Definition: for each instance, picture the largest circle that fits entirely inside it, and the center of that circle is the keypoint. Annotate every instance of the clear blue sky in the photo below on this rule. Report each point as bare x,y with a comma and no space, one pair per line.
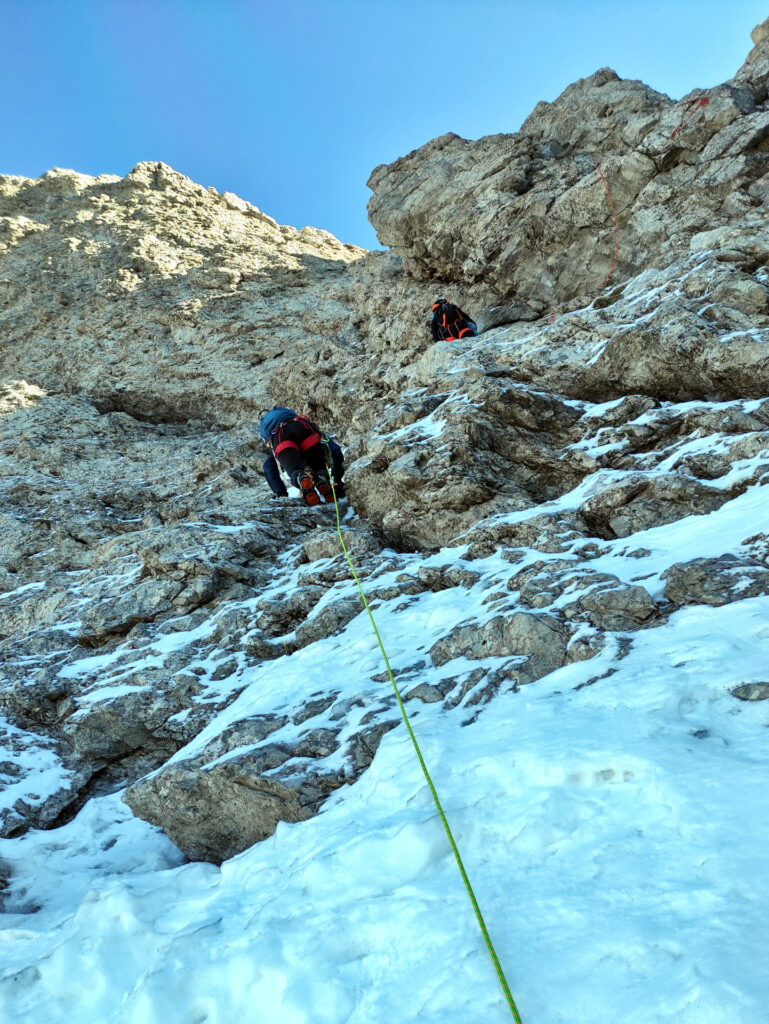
292,103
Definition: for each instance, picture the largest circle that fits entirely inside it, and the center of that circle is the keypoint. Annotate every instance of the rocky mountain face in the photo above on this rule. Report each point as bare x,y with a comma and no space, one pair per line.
527,216
153,594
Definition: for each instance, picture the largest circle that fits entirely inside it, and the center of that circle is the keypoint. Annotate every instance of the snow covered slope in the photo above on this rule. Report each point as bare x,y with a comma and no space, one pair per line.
612,816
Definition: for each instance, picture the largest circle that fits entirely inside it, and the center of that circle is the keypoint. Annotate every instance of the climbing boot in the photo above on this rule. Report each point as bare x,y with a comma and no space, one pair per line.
339,490
306,486
323,487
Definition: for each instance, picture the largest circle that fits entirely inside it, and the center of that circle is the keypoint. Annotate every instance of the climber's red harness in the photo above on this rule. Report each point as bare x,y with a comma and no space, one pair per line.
279,444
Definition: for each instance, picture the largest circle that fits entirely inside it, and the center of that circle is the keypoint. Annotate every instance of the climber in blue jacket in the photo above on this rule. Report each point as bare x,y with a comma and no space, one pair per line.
297,447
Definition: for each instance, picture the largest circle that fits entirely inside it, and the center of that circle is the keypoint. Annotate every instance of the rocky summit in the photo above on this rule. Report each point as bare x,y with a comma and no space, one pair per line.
542,496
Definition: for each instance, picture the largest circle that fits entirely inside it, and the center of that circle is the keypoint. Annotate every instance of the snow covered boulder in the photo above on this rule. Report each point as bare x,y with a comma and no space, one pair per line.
636,503
253,774
538,643
715,581
584,595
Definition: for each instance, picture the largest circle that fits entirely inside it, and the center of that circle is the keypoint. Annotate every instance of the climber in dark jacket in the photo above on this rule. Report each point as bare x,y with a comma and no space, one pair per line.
275,480
296,445
449,323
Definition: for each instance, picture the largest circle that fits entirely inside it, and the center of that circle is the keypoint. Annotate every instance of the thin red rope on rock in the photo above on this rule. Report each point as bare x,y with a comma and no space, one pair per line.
616,228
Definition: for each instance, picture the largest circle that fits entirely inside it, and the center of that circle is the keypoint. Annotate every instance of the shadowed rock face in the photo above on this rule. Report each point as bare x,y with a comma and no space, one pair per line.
153,596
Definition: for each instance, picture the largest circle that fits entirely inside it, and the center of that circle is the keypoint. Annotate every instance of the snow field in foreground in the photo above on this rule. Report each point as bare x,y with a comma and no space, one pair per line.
615,836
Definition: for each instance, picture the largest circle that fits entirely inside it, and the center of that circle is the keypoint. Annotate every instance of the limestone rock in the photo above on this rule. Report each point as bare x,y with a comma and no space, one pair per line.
539,639
752,691
496,316
547,532
638,503
330,619
528,212
715,581
157,249
621,607
215,814
325,544
244,782
438,578
600,598
149,599
425,692
282,614
494,445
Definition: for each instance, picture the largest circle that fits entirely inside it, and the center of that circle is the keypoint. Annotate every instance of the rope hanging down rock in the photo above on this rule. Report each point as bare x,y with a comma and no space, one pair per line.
452,843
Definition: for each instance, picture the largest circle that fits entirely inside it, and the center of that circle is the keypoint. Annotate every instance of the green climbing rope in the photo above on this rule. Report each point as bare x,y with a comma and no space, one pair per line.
441,813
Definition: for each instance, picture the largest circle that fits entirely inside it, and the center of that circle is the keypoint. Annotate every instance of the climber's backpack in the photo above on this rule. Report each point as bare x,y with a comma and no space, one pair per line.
451,322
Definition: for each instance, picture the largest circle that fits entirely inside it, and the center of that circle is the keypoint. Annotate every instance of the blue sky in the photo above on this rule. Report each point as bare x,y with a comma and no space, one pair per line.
292,103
